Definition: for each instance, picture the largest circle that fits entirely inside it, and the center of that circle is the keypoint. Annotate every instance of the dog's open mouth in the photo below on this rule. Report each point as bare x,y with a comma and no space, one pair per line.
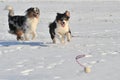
35,15
63,24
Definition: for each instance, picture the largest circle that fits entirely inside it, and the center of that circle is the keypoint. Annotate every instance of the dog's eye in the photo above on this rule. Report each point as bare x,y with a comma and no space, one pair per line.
61,19
66,19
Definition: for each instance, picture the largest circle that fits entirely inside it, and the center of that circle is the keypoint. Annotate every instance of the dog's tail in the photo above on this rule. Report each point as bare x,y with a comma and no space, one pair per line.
10,9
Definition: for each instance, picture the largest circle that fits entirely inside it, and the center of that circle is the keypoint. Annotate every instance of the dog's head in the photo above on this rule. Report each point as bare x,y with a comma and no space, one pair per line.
33,12
63,18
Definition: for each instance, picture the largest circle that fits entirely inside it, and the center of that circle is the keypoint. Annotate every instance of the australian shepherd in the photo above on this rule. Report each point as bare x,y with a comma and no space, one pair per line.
60,27
23,26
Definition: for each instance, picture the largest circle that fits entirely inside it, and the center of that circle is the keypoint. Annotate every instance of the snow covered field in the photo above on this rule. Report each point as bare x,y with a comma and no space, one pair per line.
96,30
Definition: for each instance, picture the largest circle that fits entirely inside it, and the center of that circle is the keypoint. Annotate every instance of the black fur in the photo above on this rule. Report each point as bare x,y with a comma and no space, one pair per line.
16,22
52,27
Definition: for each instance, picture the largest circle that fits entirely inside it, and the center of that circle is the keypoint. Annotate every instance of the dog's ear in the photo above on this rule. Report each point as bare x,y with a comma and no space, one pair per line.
67,13
58,16
28,10
58,13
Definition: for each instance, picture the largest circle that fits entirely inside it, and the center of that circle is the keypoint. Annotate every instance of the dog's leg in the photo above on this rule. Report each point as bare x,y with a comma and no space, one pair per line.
33,35
54,40
19,34
61,38
18,38
52,34
68,34
26,36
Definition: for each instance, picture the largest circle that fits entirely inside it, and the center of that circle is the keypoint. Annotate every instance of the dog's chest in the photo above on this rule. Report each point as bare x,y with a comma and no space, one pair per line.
62,30
32,23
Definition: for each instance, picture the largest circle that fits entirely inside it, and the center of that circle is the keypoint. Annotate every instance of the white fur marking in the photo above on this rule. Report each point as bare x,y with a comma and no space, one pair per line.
62,31
31,28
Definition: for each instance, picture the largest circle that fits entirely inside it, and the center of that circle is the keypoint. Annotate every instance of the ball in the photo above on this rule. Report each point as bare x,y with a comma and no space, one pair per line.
87,69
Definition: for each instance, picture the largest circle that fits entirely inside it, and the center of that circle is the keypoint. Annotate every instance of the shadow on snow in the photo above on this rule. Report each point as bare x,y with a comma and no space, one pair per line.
12,43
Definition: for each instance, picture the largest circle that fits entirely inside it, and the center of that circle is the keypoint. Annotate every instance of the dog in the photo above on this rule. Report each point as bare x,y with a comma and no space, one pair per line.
23,26
59,28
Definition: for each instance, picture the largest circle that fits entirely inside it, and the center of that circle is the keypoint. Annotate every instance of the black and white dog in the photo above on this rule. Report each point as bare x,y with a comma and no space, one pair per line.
23,26
60,27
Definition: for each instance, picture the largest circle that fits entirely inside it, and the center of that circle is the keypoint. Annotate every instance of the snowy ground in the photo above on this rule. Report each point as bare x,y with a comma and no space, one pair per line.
96,31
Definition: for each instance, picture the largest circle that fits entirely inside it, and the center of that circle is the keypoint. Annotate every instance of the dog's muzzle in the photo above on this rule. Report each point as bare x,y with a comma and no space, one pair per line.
62,23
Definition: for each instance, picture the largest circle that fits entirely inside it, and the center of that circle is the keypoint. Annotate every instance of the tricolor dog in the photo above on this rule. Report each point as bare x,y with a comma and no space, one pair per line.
23,26
60,27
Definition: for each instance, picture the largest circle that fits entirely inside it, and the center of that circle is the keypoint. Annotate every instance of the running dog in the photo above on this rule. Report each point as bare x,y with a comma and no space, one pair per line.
23,26
60,27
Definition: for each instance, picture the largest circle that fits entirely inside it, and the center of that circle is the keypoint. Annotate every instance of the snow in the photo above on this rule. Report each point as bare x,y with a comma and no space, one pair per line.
96,33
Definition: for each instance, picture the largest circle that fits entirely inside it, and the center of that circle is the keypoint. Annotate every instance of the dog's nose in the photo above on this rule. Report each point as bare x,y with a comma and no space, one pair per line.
37,13
63,22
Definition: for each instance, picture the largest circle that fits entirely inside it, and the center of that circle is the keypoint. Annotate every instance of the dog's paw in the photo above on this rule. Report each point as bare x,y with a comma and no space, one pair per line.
68,40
